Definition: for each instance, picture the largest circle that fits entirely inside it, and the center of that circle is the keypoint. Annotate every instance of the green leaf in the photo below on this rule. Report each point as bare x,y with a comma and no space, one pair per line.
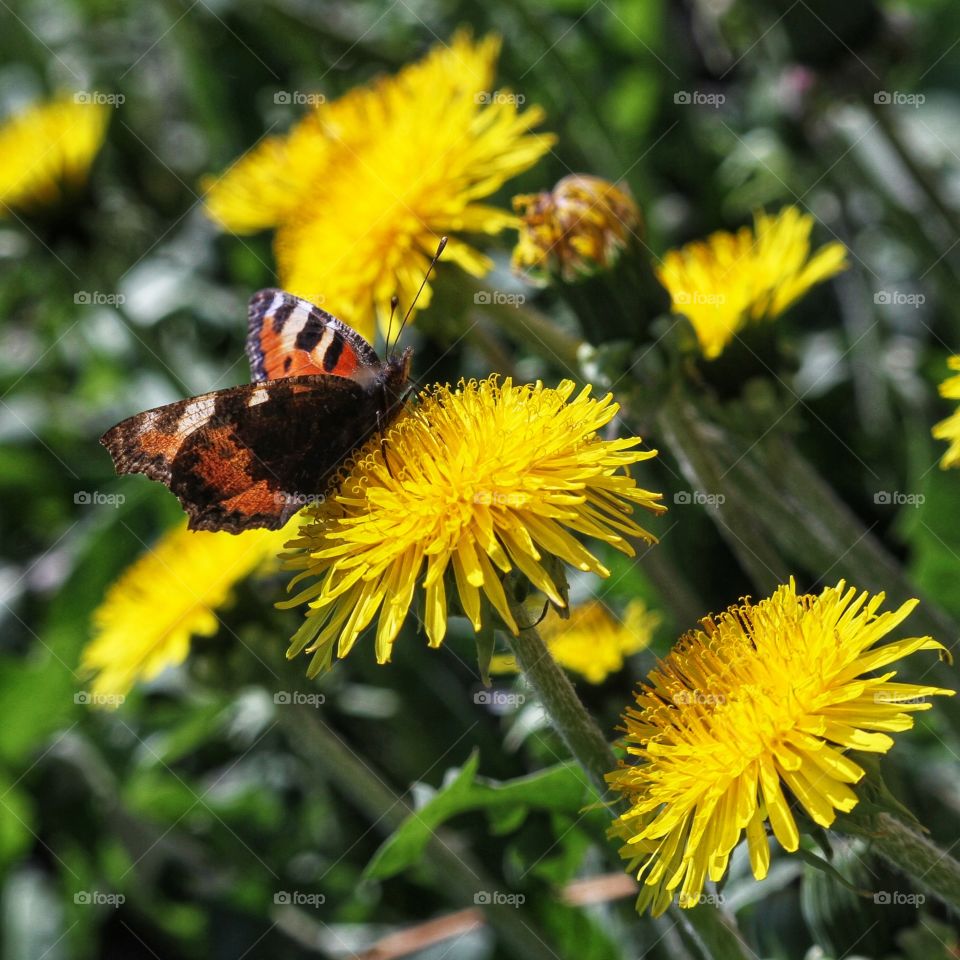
562,788
809,857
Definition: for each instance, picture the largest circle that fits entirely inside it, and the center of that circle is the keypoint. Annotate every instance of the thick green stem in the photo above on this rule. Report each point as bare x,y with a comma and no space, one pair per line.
564,708
797,512
538,332
462,879
908,851
712,935
688,438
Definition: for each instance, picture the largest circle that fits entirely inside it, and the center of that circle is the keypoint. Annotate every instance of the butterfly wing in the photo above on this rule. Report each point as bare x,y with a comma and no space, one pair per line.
249,456
290,337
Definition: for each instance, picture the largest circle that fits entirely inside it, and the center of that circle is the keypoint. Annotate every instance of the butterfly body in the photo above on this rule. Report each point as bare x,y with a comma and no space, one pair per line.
252,456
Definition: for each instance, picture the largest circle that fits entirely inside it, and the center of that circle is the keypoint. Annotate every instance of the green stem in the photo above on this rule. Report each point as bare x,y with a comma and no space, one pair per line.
538,332
462,878
565,709
908,851
704,928
924,178
713,934
689,440
802,519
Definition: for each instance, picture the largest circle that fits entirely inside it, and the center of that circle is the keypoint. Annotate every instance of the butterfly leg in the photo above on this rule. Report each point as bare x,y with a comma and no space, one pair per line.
383,444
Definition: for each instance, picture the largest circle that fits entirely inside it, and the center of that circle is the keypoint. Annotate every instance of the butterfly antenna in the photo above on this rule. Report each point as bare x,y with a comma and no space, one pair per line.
440,247
394,303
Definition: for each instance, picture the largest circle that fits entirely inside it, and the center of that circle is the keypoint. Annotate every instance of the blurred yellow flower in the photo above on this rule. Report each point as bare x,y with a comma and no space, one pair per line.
949,429
168,595
575,229
592,642
362,189
478,481
46,151
729,280
766,695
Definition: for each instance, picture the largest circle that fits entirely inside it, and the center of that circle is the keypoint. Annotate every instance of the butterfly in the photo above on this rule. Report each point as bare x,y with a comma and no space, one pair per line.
252,456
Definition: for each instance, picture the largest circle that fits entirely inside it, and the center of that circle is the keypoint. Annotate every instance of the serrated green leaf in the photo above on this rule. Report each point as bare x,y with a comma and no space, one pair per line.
562,788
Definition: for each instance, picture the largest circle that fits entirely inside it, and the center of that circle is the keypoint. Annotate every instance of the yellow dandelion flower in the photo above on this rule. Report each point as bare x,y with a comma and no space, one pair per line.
361,190
592,642
170,594
729,280
765,696
575,229
478,481
949,429
47,151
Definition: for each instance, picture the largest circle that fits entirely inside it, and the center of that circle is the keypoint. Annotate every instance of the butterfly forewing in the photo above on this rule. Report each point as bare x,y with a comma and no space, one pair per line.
288,337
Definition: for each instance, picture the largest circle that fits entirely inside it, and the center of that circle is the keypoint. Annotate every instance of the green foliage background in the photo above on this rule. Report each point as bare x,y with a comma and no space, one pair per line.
203,802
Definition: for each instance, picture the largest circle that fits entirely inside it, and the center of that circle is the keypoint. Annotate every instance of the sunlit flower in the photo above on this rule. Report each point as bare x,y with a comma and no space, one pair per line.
481,480
362,189
168,595
592,642
765,696
575,229
729,280
949,429
46,151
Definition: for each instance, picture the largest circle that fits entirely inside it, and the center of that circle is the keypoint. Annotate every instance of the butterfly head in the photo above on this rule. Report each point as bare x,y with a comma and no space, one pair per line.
396,372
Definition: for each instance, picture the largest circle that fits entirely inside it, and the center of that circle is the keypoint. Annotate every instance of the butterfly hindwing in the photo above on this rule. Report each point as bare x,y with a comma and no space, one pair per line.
289,337
248,456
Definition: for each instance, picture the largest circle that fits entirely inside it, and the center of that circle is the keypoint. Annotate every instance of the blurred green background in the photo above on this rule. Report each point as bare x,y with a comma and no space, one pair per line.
232,827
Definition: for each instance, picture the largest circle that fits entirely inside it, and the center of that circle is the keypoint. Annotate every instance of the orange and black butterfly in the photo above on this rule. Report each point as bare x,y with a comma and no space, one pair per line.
251,456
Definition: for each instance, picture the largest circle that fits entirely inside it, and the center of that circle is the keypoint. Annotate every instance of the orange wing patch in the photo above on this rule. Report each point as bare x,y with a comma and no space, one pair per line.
224,464
258,499
290,337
